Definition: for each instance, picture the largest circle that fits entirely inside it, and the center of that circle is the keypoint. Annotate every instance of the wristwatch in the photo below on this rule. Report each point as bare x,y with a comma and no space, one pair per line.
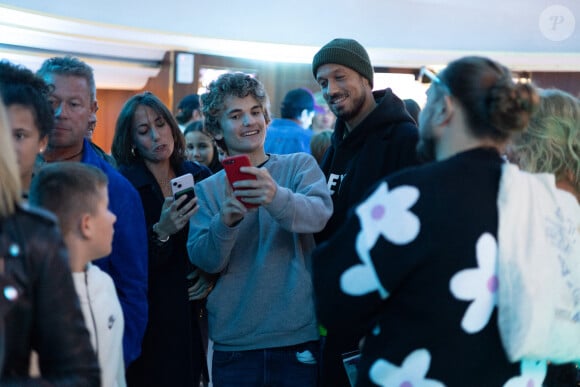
162,240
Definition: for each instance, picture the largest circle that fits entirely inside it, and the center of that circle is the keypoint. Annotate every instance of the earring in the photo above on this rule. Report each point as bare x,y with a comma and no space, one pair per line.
133,152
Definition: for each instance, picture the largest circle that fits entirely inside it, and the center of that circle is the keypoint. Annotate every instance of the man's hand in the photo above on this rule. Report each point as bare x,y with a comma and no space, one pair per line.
202,285
260,191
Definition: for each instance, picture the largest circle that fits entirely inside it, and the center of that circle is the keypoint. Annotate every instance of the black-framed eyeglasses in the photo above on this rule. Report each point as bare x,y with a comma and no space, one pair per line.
425,72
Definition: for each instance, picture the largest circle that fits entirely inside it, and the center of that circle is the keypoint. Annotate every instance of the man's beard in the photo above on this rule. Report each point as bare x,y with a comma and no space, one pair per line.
348,112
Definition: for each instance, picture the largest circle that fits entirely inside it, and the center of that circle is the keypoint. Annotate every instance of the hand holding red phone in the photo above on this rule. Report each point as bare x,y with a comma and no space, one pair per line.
256,192
253,186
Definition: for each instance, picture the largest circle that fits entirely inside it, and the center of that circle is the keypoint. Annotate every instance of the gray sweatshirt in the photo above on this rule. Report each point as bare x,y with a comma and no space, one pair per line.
263,297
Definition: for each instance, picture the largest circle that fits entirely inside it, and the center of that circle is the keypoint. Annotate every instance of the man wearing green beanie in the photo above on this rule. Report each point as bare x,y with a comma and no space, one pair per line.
374,136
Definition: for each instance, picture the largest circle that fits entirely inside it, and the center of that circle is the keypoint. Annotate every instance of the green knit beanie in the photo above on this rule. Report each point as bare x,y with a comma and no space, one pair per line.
346,52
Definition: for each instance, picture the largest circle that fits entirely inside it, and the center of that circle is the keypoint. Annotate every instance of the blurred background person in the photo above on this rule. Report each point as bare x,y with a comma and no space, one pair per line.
201,147
324,118
551,143
413,108
319,143
39,309
98,150
291,134
29,115
188,111
150,151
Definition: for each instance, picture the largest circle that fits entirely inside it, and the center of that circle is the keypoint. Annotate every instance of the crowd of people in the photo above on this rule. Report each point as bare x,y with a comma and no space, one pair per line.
361,248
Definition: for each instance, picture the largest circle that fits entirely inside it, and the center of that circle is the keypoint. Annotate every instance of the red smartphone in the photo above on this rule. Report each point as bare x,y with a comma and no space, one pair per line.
232,166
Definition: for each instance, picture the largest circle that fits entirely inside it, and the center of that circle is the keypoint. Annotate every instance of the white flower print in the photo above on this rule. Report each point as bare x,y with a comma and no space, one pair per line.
411,373
387,213
479,285
383,213
533,373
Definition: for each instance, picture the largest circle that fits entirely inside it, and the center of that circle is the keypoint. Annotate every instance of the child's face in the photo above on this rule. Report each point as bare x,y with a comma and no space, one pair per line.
103,221
243,125
199,147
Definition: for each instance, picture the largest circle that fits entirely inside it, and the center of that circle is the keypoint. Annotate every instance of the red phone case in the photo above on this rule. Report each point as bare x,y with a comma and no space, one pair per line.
232,166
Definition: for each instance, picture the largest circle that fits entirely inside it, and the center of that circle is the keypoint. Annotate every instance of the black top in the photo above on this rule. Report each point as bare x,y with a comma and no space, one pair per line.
46,315
414,268
382,143
169,355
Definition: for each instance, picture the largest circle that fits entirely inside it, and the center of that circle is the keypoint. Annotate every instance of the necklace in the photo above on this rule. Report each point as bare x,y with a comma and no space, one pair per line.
66,158
267,159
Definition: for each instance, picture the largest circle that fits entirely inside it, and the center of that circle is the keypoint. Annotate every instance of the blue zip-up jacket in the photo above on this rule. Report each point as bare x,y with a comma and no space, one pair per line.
127,264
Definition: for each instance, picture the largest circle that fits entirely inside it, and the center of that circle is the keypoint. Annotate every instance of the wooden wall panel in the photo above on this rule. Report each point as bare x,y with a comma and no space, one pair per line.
110,105
277,78
162,84
111,102
569,82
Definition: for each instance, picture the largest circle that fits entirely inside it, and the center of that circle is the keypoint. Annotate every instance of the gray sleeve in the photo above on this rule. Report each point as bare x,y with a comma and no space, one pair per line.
305,206
210,241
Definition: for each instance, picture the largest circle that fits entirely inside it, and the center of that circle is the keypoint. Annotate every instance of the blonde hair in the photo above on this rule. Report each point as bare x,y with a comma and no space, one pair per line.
10,188
552,141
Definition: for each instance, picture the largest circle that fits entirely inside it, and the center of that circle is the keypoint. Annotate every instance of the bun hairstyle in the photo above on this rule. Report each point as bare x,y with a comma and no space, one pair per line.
496,107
